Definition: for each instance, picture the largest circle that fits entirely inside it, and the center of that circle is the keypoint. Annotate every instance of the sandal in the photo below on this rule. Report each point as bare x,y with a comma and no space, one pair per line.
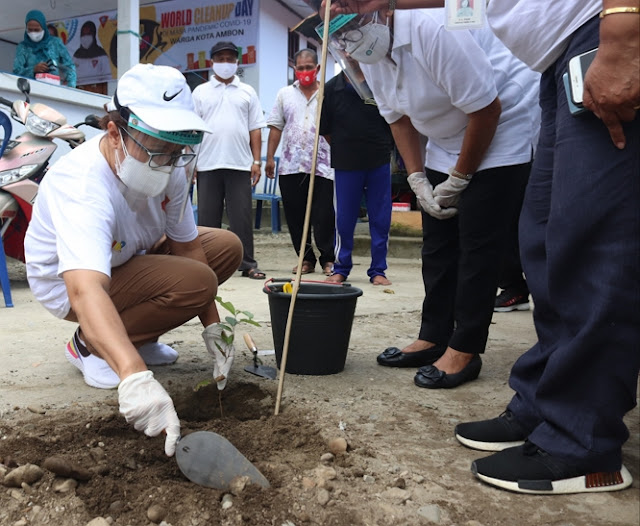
328,269
307,268
253,273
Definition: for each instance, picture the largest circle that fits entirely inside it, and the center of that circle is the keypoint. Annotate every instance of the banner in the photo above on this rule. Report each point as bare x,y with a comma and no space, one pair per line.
178,33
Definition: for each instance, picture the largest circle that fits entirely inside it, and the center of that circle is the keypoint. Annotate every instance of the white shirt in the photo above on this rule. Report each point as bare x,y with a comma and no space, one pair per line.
537,31
231,111
295,116
92,70
82,221
440,76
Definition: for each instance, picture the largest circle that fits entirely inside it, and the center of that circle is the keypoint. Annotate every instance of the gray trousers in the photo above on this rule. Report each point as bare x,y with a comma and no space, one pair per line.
233,188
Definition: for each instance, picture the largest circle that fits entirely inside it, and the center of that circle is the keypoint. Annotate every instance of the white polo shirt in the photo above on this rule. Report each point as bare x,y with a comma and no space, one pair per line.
440,76
537,31
231,111
82,221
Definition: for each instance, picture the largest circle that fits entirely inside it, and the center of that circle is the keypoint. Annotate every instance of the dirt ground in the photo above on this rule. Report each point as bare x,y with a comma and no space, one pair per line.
403,465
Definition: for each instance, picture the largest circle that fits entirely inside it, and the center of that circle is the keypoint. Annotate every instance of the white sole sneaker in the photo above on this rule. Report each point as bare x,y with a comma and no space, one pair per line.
96,372
156,353
487,446
511,308
591,483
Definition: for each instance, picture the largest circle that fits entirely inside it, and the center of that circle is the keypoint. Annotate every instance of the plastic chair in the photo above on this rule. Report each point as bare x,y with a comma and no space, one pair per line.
269,194
5,123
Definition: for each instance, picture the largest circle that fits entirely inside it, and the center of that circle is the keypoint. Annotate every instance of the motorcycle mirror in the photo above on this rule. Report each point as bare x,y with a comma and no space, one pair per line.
93,121
24,87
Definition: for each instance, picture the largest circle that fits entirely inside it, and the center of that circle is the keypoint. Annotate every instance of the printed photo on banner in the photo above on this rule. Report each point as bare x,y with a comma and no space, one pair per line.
464,14
178,33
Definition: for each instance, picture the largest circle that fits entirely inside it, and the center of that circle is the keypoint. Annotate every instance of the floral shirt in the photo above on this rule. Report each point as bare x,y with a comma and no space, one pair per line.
295,116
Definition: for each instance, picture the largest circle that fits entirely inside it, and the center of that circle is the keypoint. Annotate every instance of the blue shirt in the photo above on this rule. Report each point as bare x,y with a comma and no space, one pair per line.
54,50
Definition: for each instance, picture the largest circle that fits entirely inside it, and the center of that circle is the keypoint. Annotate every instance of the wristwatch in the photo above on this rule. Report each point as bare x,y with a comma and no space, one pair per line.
257,163
455,173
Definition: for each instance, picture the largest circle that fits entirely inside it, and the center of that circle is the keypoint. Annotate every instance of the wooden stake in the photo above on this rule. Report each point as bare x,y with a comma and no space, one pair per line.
307,216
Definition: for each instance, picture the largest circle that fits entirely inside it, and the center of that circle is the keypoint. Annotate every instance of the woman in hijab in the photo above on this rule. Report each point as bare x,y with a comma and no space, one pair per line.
92,62
39,52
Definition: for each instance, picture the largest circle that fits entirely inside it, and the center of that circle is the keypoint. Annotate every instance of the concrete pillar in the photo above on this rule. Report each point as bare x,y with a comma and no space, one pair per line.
128,29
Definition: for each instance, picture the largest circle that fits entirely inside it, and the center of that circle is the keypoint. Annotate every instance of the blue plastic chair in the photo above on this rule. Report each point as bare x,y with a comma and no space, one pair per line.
268,193
5,124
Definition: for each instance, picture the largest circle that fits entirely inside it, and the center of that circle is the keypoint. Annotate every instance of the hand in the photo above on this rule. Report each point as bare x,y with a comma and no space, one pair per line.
447,193
145,404
222,352
41,67
270,168
256,172
347,7
612,82
424,192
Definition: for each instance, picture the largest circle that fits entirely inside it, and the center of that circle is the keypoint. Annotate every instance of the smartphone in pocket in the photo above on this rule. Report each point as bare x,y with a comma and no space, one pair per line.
578,66
573,108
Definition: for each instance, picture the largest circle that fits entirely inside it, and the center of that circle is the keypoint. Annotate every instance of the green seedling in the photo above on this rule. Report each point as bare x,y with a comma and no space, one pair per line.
229,325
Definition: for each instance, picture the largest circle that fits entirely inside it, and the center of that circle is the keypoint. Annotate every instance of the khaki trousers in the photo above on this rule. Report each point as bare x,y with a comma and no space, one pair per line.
157,292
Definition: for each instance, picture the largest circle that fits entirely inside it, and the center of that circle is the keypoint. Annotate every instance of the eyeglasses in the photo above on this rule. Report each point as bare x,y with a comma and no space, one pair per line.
160,159
350,37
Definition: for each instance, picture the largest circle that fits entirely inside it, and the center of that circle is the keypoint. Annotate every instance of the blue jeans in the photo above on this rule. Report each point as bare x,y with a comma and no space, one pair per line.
580,248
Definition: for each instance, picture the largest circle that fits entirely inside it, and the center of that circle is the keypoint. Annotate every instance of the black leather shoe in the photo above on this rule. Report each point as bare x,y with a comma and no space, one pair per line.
394,357
431,377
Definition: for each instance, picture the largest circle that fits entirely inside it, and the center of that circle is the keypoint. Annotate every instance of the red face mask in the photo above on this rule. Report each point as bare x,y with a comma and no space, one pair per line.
307,78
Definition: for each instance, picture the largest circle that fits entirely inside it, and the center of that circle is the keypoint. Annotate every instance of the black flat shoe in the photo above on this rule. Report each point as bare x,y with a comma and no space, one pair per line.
431,377
394,357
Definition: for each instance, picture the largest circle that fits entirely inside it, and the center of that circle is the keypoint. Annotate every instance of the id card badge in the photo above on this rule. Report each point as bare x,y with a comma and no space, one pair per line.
464,14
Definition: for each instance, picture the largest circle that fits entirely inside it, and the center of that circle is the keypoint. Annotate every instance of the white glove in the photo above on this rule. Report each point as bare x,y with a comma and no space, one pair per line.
424,192
222,352
447,193
145,404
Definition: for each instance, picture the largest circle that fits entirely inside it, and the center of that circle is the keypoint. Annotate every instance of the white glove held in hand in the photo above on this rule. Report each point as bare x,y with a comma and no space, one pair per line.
424,192
447,193
222,352
145,404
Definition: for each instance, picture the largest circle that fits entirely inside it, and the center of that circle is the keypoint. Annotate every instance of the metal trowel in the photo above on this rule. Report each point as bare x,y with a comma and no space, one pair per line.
210,460
256,368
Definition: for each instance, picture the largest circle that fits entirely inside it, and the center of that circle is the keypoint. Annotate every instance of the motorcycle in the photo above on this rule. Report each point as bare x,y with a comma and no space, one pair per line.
25,160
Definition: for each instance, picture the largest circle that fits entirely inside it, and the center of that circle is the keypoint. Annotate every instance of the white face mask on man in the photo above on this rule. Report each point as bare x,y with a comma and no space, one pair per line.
36,36
370,43
225,70
139,177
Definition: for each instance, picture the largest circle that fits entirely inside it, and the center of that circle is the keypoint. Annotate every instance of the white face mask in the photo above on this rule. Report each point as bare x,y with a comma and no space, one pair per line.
36,36
374,44
139,177
86,41
225,70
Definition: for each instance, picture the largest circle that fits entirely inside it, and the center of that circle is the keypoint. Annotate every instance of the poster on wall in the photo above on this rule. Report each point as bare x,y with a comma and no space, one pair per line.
178,33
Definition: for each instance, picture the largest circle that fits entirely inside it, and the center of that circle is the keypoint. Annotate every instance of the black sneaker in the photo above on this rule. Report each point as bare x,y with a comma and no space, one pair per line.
529,469
509,300
492,435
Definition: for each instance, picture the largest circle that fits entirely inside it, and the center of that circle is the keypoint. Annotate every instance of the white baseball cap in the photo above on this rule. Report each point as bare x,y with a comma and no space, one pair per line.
157,101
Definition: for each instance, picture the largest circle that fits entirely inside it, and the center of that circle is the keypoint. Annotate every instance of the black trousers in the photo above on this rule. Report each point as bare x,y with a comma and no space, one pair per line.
294,189
511,275
461,259
233,188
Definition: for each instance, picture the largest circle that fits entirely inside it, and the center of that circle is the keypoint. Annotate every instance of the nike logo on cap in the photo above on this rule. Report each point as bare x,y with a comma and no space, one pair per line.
168,98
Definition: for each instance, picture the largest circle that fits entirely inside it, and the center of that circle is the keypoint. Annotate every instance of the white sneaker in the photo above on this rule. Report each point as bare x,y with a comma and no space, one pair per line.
156,353
96,371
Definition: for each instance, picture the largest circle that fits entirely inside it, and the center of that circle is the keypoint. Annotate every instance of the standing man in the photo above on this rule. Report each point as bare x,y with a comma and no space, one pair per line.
361,144
294,116
229,160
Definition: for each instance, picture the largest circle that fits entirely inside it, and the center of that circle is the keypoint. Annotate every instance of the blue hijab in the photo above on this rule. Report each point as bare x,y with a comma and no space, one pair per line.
38,16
